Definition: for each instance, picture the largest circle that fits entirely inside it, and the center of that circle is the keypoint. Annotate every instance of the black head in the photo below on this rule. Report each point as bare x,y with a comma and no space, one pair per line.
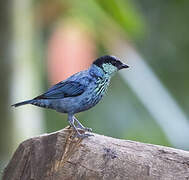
110,60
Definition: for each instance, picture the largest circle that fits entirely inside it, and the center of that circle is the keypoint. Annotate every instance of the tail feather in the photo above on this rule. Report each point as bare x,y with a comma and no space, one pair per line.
22,103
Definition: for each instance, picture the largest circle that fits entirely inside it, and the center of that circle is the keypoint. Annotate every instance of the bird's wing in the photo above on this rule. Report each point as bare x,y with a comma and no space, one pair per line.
63,90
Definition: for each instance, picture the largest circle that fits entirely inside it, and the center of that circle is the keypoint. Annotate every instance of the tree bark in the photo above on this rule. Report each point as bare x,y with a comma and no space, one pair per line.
58,156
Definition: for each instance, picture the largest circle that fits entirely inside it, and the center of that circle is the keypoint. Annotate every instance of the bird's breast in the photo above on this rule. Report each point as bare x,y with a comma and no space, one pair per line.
101,86
96,93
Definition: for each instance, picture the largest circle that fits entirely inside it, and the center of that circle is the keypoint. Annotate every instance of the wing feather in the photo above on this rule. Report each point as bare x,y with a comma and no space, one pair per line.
63,90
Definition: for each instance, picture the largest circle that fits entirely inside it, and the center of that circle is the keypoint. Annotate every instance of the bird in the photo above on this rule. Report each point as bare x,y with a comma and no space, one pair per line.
80,91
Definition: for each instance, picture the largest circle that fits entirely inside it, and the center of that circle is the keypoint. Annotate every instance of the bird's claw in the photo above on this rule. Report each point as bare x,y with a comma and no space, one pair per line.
79,129
88,129
82,136
84,129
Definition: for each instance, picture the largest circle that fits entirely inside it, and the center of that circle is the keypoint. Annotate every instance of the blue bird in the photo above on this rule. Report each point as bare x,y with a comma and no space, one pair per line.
80,91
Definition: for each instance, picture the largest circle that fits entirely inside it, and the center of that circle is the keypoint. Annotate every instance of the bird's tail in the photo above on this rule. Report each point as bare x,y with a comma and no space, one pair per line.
22,103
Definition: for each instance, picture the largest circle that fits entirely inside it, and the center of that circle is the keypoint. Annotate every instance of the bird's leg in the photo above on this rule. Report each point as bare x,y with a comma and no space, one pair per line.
78,134
80,126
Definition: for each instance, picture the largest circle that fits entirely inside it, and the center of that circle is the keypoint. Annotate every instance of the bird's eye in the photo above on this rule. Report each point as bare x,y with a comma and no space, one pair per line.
114,63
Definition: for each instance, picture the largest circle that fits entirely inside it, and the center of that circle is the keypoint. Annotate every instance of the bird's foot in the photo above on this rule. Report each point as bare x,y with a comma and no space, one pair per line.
84,129
82,136
81,127
88,129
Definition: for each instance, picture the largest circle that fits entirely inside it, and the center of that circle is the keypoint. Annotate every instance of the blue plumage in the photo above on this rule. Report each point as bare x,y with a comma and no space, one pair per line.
63,90
79,92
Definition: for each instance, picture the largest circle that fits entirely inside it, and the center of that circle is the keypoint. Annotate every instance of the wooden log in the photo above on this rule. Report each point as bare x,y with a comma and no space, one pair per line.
59,156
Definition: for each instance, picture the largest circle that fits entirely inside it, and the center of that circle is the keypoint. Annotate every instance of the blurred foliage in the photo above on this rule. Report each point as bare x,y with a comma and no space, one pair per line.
98,16
5,74
123,13
166,43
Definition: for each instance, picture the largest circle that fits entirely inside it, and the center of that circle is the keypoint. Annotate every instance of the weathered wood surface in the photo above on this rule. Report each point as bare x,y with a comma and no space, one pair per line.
57,156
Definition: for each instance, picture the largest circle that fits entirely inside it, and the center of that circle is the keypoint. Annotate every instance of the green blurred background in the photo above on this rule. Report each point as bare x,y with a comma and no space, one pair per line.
45,41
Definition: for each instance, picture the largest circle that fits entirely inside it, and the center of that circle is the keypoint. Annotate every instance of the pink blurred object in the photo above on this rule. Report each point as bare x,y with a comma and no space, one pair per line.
70,50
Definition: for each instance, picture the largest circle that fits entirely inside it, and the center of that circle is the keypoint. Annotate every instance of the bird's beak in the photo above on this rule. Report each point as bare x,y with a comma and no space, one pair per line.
123,66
